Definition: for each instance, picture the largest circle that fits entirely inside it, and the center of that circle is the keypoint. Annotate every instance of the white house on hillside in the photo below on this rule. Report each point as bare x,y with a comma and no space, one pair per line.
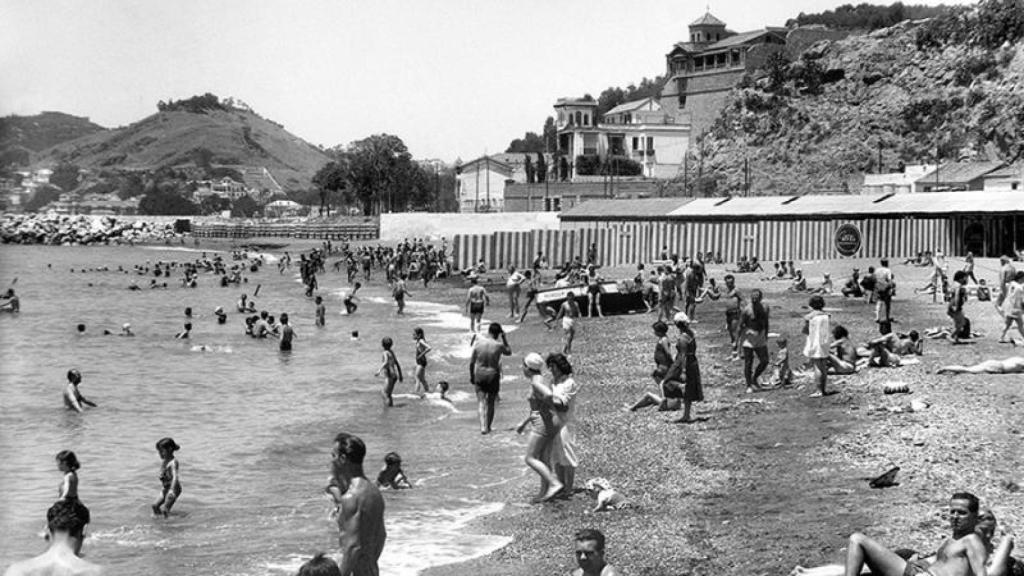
639,130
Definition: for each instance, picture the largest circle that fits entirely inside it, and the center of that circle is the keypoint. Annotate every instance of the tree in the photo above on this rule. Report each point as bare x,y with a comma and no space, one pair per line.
530,142
375,165
43,196
330,180
244,207
777,67
531,175
65,176
542,168
550,135
214,204
166,202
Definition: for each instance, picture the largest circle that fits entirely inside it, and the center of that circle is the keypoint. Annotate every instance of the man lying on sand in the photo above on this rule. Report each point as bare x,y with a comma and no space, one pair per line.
1013,365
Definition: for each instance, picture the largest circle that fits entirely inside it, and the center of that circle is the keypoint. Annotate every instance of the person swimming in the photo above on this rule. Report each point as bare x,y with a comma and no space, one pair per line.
392,476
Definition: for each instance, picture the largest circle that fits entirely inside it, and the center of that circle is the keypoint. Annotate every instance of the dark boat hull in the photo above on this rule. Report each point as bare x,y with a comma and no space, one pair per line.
614,298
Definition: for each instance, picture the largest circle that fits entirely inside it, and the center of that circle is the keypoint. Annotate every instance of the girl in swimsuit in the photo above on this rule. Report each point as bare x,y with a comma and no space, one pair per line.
542,428
422,349
391,369
166,447
67,463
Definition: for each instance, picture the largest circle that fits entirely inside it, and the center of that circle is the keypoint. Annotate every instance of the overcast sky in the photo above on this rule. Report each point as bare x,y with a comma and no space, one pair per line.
452,78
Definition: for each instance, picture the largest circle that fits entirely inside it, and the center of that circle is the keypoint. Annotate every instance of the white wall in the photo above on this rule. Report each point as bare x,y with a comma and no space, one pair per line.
434,225
468,189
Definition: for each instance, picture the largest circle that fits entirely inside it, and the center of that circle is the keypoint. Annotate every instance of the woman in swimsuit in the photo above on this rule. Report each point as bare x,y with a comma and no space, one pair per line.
422,349
542,428
391,368
166,447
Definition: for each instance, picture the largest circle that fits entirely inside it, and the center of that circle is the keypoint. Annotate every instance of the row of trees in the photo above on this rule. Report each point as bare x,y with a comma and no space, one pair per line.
866,16
378,174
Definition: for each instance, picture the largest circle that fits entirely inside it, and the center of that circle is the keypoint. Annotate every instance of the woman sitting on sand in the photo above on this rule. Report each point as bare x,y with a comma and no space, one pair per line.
671,398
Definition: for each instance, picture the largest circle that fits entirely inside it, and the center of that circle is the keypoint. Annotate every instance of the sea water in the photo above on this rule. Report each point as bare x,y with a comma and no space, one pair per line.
255,425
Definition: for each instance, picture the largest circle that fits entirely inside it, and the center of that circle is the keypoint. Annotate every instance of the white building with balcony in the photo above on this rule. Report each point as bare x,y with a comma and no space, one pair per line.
639,131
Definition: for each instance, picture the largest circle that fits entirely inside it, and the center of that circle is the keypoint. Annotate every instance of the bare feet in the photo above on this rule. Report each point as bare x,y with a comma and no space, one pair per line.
553,491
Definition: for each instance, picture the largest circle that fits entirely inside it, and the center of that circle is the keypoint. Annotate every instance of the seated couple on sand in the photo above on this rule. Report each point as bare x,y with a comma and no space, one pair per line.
968,552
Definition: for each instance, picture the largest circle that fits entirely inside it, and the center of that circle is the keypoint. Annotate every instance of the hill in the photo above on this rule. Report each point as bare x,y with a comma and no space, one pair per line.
951,88
22,136
180,136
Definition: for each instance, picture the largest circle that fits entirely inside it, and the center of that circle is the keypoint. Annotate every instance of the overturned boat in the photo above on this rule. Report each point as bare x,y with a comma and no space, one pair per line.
616,298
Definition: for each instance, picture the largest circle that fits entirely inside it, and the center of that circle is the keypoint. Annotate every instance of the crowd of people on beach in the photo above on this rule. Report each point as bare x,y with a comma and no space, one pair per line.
671,294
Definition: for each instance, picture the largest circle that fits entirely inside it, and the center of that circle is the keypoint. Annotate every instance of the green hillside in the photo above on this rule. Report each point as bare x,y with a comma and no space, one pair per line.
179,137
22,136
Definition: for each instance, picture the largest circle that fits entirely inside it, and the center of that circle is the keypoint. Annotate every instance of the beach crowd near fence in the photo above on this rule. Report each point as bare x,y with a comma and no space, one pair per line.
359,231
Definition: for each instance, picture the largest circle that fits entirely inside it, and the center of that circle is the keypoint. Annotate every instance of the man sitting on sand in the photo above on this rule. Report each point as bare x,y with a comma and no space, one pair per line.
1012,365
964,554
65,526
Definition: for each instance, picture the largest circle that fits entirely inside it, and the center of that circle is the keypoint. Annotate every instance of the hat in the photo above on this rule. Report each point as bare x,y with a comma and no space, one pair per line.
681,317
125,326
534,362
218,310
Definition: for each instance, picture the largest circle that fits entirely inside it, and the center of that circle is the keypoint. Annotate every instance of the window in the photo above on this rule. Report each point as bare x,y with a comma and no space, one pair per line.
586,119
650,144
579,118
636,143
1015,186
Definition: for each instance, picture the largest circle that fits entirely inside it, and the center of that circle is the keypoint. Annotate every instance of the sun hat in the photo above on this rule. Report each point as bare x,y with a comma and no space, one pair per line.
534,362
681,317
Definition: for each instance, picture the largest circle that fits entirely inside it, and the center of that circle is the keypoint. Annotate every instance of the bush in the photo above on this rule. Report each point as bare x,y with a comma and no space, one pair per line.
973,66
588,164
989,25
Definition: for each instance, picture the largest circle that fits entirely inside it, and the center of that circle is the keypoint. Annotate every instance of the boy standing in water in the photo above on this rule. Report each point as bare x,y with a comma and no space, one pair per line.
166,447
422,349
73,399
287,333
321,312
391,368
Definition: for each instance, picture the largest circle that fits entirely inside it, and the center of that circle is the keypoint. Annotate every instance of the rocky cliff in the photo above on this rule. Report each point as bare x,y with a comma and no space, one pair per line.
911,93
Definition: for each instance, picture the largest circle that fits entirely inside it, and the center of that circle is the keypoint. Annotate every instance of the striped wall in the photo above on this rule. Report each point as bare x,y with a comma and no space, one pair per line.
627,243
323,231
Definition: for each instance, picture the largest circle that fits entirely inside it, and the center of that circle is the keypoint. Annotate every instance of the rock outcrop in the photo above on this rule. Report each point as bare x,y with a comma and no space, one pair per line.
80,230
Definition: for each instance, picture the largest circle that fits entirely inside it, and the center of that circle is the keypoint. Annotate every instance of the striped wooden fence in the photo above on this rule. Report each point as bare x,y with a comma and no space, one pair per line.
368,231
628,243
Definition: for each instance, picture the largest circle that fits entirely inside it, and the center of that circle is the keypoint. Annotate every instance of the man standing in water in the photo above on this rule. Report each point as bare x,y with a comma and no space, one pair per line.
485,372
476,299
65,525
962,555
360,509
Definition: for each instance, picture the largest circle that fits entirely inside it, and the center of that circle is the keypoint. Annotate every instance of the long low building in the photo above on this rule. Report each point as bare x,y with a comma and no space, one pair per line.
814,227
770,227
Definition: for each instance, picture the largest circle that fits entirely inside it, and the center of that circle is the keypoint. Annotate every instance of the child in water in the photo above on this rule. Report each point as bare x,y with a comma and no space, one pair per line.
321,312
166,447
391,368
67,463
392,476
350,299
422,349
184,334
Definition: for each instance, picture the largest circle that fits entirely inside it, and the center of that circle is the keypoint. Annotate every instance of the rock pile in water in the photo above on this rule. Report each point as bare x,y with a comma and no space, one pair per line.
72,230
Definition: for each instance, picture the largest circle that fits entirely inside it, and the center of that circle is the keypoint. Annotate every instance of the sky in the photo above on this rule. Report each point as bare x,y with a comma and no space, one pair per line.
452,78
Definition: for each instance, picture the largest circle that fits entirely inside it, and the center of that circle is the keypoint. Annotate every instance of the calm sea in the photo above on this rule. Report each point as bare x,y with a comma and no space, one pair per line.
255,425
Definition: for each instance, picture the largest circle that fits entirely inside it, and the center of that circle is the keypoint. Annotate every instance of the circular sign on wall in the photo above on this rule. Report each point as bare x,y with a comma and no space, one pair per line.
848,239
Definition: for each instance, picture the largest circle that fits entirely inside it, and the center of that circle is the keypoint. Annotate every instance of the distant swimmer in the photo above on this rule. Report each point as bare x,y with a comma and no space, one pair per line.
10,303
1013,365
184,334
73,398
287,334
361,532
350,299
321,312
171,484
242,305
222,317
392,476
126,330
65,526
422,349
391,369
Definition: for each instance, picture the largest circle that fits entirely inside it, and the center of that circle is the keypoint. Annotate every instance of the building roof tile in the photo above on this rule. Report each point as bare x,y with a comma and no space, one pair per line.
958,172
632,105
707,20
739,39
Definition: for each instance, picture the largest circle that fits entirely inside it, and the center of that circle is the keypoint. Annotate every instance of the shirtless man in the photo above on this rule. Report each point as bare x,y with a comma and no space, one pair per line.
590,555
65,524
476,299
73,399
569,314
1006,274
10,302
962,555
485,372
361,532
1012,365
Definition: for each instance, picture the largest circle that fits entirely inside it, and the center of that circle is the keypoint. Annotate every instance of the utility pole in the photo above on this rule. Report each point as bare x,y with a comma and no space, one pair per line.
879,157
476,193
746,176
487,159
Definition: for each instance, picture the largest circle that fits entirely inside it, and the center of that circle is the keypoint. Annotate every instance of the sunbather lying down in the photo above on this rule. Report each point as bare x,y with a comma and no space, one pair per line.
1012,365
999,563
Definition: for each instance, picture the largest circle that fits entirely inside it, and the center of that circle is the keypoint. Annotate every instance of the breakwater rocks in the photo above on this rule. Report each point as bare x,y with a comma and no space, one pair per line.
78,230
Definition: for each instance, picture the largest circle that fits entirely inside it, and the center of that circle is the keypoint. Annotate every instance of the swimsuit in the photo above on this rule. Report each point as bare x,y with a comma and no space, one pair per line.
487,379
541,420
476,307
568,323
917,568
